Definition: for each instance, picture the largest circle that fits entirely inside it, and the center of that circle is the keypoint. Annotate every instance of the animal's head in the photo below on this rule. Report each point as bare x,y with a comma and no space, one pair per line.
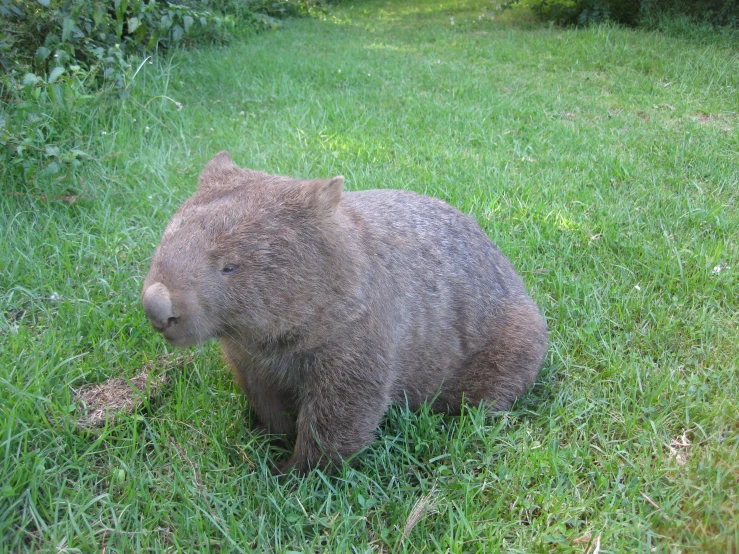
248,253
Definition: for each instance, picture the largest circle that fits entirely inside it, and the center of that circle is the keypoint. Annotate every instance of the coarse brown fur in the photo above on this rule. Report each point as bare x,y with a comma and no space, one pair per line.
333,306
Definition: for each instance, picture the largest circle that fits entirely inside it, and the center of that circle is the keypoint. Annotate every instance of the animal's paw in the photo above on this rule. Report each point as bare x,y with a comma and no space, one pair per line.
282,469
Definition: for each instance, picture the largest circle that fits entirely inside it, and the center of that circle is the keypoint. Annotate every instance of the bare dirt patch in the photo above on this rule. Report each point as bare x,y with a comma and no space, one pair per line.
103,402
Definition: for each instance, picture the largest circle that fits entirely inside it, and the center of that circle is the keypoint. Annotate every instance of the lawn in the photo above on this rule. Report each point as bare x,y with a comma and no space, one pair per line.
603,161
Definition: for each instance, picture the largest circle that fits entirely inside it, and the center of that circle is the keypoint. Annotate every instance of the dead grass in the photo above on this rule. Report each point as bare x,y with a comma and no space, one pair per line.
101,403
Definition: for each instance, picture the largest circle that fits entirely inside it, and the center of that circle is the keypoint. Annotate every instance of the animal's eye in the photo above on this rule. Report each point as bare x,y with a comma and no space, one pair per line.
230,268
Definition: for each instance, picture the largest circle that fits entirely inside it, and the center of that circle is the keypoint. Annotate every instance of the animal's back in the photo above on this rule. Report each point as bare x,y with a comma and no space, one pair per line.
437,282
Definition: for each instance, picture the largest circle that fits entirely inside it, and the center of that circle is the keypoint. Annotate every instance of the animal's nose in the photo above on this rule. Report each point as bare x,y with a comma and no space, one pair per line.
161,326
158,307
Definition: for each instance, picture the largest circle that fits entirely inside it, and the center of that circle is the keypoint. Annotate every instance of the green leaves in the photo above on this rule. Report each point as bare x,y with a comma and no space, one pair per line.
76,32
133,24
56,56
55,73
30,79
630,12
67,27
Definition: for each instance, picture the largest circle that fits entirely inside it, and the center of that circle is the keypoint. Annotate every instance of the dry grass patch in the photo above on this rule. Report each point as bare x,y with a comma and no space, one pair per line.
103,402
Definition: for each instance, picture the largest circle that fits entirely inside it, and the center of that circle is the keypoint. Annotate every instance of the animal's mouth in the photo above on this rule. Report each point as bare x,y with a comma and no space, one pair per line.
179,339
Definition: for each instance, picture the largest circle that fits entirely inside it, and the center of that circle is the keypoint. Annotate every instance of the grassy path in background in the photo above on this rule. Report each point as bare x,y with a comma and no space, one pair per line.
604,162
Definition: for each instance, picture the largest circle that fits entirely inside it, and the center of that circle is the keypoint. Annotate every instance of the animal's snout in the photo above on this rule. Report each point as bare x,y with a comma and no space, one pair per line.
158,307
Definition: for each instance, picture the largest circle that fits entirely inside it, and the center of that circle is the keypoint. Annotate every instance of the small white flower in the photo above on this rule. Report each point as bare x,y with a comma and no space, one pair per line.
151,196
716,270
242,112
146,129
103,133
369,75
134,120
452,20
339,70
55,297
178,105
637,287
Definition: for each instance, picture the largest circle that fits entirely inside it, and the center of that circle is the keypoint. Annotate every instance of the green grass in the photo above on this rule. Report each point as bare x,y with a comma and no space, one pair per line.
603,161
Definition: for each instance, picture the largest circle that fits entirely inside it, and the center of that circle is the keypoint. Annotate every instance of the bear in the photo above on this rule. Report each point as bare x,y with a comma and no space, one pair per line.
330,306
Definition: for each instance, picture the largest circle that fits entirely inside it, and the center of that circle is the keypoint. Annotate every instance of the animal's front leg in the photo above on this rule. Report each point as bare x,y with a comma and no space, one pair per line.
340,409
327,439
275,409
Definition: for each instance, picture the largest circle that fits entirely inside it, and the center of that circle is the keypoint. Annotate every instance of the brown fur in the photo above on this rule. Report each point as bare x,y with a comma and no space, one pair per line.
333,306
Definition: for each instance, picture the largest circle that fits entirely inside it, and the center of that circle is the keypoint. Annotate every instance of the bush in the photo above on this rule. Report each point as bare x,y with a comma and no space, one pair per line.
38,128
716,12
45,34
582,11
630,12
56,56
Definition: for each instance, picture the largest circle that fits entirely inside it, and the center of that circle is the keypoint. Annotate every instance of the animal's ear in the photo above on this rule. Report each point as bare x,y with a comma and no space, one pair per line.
217,170
324,194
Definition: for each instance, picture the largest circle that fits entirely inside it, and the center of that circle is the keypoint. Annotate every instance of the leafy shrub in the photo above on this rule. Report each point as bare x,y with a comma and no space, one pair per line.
582,11
715,12
50,33
56,56
40,133
630,12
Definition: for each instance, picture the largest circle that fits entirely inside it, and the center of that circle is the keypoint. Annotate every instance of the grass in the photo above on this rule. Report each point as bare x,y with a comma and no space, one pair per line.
603,161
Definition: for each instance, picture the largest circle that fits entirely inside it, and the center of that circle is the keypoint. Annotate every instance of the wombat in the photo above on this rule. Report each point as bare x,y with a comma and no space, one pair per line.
332,306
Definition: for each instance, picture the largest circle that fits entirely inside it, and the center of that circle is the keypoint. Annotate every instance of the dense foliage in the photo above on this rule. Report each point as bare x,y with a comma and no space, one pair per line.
56,55
716,12
47,33
632,12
